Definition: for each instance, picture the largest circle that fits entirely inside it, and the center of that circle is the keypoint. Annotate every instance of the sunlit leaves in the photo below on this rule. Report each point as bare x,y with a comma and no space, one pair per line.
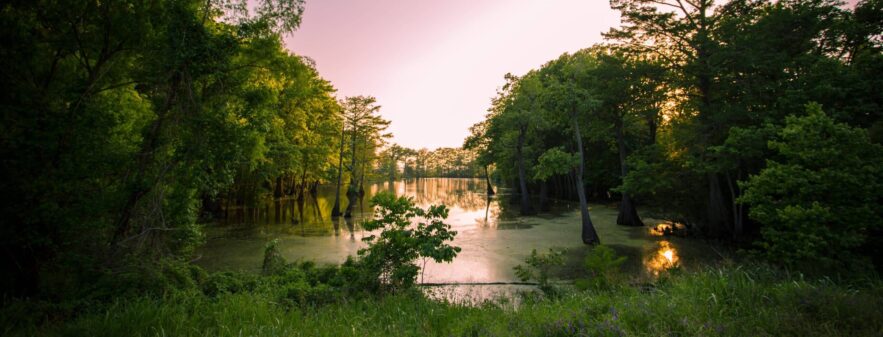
555,162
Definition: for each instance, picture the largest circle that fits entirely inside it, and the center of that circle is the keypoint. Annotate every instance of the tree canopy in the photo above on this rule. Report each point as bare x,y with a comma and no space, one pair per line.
697,111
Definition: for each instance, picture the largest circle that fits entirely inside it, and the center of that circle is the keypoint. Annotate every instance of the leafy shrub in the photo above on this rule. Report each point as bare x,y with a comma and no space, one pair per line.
819,199
603,264
273,260
229,283
156,278
390,257
539,267
353,277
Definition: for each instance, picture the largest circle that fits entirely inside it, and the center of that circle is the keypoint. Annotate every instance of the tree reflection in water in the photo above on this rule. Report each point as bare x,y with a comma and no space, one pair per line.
493,237
304,215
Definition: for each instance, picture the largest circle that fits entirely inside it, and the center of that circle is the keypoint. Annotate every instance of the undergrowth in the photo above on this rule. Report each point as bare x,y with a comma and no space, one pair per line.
732,301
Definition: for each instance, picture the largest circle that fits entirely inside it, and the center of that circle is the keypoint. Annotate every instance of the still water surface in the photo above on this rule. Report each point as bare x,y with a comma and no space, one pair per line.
492,237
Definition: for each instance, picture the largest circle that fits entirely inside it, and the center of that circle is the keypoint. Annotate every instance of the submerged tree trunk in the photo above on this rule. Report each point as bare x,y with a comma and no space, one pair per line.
335,210
487,210
362,182
628,215
487,178
303,185
394,167
526,208
351,196
589,235
277,199
351,193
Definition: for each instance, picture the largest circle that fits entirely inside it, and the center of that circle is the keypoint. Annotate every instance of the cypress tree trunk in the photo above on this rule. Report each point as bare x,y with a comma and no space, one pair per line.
351,193
351,196
362,186
628,215
487,209
487,178
335,211
302,189
526,208
277,199
589,235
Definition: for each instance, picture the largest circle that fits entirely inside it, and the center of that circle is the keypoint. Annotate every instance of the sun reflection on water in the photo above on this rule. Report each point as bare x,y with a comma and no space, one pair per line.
667,228
665,257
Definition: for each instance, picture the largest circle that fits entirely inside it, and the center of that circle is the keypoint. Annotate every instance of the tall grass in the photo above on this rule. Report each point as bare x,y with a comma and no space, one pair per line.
713,302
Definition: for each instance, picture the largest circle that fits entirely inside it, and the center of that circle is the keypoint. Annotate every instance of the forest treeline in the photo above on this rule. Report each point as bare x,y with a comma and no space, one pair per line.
398,162
752,121
123,122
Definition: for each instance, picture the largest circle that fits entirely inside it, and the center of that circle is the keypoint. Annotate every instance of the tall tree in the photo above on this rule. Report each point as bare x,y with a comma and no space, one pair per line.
568,94
479,142
365,127
515,111
681,33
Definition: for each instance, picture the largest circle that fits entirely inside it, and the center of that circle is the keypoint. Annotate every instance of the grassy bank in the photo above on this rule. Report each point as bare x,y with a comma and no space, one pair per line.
713,302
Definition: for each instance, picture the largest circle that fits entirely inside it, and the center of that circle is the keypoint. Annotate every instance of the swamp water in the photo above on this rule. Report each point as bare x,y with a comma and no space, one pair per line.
492,236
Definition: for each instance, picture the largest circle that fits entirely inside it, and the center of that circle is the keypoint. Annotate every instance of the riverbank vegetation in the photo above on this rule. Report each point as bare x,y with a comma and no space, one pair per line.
127,125
731,301
374,294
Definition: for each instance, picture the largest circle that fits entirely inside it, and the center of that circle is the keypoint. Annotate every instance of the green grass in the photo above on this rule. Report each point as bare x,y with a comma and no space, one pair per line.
712,302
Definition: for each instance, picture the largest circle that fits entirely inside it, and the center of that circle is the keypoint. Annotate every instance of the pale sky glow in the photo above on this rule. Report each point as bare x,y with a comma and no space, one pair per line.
434,65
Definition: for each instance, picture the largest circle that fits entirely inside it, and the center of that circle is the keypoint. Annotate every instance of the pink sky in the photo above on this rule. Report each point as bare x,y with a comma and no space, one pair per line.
434,65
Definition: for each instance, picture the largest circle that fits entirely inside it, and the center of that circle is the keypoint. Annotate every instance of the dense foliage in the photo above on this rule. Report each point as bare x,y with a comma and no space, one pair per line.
819,196
676,112
124,122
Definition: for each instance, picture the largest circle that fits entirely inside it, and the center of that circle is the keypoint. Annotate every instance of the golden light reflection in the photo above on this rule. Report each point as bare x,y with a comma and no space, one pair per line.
665,257
669,255
660,229
667,228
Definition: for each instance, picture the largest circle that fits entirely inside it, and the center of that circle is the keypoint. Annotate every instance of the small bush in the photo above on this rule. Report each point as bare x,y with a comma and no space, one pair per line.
229,283
273,260
304,294
539,267
390,257
603,265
